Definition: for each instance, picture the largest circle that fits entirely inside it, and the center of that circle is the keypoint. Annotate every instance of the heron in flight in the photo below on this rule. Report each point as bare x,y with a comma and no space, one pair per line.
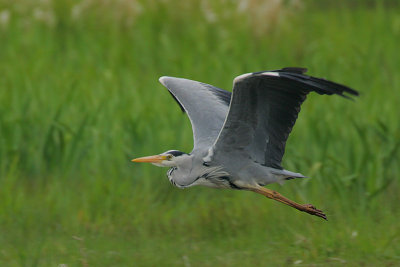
240,137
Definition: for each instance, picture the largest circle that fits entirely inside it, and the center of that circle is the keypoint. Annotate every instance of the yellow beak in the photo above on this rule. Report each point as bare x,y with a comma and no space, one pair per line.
151,159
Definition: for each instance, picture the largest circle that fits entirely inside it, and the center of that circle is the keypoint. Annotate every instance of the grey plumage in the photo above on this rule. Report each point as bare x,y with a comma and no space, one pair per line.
261,116
264,110
240,137
205,105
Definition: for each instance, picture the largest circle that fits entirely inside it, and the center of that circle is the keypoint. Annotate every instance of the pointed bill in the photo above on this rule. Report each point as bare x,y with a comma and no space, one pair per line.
150,159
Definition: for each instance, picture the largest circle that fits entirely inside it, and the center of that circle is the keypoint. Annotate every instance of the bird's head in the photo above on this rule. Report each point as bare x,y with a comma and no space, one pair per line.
169,158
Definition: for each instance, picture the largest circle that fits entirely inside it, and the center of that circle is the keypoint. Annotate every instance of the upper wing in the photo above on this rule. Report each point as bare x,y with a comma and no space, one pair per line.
263,110
206,106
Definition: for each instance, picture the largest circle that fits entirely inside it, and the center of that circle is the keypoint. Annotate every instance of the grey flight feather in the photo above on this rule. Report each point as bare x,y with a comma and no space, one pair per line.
205,105
263,110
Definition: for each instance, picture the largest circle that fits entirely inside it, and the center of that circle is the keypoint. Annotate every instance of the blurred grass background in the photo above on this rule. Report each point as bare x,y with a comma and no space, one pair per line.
79,98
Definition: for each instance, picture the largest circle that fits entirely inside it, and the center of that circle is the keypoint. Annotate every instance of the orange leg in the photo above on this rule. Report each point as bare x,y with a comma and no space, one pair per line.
310,209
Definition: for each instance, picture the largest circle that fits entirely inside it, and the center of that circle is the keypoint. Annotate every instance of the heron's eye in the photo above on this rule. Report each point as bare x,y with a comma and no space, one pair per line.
169,157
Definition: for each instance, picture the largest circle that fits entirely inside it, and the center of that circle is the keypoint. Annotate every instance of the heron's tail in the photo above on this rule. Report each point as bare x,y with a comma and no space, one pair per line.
288,175
293,177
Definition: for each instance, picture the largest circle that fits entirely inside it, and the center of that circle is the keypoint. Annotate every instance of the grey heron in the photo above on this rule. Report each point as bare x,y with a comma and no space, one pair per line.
240,137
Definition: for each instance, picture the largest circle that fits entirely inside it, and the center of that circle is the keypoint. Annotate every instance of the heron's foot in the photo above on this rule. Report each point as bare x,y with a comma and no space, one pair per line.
310,209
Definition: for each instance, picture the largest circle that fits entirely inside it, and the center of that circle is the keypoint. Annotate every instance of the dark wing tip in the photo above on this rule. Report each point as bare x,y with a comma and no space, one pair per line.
337,88
351,91
320,85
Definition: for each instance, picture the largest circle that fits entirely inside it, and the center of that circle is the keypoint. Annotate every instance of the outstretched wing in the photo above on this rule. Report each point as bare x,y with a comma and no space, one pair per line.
263,110
206,106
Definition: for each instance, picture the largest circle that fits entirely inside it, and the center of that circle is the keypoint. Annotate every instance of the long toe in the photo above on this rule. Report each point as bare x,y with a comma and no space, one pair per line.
310,209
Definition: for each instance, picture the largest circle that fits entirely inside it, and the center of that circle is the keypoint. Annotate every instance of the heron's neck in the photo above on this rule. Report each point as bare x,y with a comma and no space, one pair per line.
184,162
183,173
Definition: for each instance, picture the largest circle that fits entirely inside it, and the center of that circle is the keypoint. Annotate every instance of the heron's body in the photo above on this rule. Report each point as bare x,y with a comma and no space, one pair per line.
240,138
215,174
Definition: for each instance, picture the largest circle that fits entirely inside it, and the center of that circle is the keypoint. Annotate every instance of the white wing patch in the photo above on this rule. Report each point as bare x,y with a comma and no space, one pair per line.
270,73
246,75
210,154
241,77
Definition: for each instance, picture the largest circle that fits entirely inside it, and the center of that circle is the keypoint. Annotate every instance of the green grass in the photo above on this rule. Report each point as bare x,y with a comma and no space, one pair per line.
79,98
